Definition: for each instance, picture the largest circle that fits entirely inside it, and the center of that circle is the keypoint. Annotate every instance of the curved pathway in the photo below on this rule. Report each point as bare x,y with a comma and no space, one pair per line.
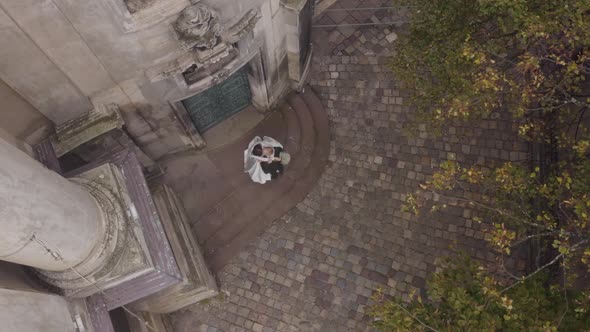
227,211
317,266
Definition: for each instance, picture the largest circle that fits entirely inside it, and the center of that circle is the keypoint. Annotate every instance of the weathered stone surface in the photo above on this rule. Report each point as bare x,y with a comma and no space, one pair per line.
120,253
198,284
49,222
78,131
136,5
245,25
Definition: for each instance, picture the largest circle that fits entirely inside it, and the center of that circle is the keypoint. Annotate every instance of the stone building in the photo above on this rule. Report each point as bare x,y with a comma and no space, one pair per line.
93,94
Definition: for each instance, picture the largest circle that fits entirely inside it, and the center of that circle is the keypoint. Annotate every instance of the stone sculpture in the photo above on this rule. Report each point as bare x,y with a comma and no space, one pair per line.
198,27
210,45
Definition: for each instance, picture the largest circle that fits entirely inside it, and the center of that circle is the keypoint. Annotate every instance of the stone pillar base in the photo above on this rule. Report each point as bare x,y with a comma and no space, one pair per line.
197,282
122,253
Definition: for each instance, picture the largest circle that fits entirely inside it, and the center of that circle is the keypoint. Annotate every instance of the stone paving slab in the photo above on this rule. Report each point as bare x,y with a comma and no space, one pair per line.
316,268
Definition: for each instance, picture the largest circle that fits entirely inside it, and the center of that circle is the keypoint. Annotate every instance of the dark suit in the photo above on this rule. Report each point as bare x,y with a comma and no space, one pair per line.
275,168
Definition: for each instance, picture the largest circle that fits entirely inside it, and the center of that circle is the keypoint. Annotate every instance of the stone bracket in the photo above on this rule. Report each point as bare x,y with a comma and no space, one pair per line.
78,131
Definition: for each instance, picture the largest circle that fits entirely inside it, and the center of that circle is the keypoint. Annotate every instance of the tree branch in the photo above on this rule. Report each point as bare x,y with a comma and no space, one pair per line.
489,208
519,242
564,296
415,318
553,261
523,279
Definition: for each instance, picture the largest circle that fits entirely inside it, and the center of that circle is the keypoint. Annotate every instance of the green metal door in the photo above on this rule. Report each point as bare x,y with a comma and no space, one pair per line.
218,103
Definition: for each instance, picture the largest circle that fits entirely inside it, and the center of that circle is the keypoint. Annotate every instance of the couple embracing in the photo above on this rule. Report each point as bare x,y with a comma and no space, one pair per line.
264,159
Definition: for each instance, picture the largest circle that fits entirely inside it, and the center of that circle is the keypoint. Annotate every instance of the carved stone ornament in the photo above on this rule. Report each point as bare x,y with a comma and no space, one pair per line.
242,27
220,76
210,45
198,27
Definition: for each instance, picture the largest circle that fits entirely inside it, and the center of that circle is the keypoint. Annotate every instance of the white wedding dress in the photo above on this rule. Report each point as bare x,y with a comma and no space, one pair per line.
252,163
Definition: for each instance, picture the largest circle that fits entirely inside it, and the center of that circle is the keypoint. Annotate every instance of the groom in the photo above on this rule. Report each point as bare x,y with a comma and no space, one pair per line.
264,159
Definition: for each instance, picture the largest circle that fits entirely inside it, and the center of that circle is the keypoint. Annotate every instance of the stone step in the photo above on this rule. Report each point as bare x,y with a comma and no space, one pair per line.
321,122
319,156
305,123
253,199
293,140
302,176
231,161
235,201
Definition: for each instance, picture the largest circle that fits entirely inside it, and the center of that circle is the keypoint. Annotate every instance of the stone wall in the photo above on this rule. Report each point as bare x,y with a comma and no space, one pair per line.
19,118
64,57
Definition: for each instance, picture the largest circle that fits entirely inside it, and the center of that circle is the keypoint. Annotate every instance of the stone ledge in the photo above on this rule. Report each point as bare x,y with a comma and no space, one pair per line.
295,5
197,282
80,130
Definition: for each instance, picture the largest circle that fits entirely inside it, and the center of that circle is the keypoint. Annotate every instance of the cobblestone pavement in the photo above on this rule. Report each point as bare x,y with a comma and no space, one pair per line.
316,268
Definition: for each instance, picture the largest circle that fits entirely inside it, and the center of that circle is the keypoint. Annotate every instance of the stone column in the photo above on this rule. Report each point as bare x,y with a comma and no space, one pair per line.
35,312
46,221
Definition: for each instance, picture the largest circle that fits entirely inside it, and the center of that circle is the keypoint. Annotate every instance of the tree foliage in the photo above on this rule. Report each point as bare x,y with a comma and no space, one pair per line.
463,60
466,58
521,204
463,297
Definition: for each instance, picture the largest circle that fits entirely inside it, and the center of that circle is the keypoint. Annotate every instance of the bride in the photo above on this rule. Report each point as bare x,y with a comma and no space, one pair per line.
264,159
